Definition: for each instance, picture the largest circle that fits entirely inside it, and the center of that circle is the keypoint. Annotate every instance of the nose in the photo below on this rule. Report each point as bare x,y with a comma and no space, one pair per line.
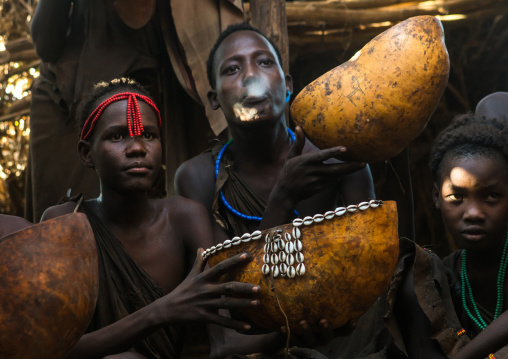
250,75
135,147
473,212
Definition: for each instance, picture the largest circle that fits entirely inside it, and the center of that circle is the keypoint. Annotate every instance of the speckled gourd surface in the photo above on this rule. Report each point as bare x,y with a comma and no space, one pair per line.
349,256
376,103
49,281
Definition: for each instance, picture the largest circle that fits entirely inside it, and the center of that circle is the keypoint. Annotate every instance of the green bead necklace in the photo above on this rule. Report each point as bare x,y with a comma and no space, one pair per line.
466,288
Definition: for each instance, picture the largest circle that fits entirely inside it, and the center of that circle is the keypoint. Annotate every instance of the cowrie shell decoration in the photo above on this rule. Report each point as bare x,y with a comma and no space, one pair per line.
283,248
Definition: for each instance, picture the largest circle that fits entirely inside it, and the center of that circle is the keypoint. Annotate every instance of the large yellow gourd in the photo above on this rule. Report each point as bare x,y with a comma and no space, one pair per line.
376,103
348,256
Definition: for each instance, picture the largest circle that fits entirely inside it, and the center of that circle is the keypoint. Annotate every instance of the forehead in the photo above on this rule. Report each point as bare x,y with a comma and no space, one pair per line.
474,171
242,43
116,114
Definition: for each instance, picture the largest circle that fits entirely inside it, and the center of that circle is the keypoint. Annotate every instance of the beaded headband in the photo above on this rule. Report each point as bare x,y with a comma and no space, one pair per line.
133,113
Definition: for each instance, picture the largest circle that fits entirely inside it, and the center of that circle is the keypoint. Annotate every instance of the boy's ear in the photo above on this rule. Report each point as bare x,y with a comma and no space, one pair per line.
436,195
212,99
84,152
289,83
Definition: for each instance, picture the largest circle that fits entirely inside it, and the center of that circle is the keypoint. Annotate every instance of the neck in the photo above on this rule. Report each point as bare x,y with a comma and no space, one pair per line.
124,209
486,259
260,144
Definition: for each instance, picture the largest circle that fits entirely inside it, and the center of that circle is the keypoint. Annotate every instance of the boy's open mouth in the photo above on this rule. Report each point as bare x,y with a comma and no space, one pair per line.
245,113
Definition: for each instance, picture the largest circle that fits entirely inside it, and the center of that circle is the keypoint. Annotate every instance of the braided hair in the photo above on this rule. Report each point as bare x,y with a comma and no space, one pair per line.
231,29
101,89
469,135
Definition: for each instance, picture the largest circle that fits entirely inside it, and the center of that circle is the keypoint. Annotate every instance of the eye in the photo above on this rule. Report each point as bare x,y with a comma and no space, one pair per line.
493,197
231,70
454,197
149,135
116,137
267,62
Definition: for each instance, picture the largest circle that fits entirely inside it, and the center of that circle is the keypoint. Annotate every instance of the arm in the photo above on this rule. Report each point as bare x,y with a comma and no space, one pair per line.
196,299
490,340
358,186
10,224
50,26
399,189
195,179
194,224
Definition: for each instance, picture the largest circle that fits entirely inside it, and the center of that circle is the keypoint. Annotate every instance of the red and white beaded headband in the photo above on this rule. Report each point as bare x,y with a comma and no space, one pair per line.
133,113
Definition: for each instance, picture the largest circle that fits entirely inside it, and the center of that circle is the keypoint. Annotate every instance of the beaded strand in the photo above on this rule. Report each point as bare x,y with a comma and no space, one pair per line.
221,193
466,287
134,120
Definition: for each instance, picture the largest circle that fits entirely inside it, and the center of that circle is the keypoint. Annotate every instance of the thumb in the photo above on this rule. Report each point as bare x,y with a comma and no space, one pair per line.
297,148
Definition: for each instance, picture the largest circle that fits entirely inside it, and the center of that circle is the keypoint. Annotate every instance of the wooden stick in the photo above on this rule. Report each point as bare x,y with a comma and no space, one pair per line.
270,18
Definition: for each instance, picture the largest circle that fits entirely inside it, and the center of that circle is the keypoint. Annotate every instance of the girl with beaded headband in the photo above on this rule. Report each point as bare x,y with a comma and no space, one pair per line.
148,285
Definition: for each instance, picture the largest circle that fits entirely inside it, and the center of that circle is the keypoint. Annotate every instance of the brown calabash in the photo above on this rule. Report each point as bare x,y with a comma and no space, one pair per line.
49,281
380,100
348,261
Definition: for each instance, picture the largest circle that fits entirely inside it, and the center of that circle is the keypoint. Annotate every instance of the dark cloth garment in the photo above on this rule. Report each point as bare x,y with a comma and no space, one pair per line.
124,287
107,49
100,47
238,195
453,263
378,335
198,24
370,339
294,353
431,285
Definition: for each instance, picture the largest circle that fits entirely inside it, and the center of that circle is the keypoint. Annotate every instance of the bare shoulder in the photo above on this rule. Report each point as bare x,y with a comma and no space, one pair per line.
58,210
197,169
195,178
190,220
10,224
180,208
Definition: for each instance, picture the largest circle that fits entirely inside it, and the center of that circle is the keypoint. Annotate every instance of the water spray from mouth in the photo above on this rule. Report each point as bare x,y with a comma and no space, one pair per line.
245,113
255,89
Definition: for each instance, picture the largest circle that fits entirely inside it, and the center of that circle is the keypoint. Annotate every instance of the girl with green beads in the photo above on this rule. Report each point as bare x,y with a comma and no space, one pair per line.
455,307
469,161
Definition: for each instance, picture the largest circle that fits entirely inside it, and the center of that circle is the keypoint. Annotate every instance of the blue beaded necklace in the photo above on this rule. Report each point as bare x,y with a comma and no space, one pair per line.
222,197
466,288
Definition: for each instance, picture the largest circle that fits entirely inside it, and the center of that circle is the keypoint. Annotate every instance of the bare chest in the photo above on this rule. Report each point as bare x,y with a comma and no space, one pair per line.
161,255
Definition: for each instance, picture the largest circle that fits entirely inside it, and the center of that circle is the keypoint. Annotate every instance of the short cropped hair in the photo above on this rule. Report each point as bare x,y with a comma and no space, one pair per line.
468,135
231,29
